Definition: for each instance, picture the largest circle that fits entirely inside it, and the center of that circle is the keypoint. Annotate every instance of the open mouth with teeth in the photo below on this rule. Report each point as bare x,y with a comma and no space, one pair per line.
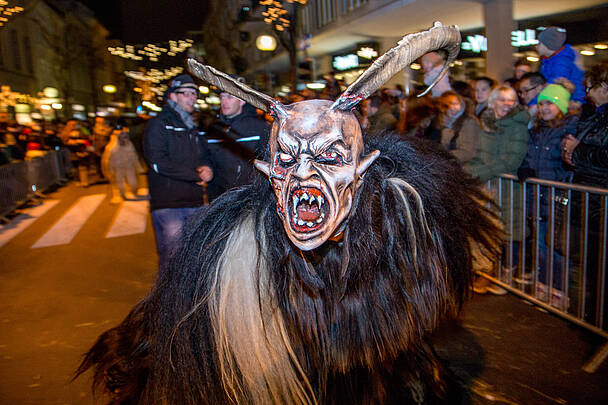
307,209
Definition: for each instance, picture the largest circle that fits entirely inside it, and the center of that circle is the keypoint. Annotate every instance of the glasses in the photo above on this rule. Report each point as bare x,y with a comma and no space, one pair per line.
526,91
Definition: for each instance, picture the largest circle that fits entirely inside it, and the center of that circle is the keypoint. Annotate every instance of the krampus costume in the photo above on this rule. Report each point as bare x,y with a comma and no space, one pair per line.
317,284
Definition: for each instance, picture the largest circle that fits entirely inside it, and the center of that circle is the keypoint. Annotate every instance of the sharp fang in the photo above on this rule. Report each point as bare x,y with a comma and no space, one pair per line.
295,201
319,220
304,196
321,200
312,199
309,224
300,222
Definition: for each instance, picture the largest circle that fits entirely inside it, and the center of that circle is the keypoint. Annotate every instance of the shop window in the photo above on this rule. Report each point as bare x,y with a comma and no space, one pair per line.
15,47
27,48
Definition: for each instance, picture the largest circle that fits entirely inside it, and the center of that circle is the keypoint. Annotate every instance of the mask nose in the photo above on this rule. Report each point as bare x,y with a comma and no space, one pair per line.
303,170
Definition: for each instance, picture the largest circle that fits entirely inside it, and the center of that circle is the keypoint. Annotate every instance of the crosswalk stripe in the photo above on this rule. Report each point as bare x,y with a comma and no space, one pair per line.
70,223
131,219
22,221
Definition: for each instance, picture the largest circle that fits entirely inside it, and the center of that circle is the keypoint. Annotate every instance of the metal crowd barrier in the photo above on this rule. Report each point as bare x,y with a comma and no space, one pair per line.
23,181
555,253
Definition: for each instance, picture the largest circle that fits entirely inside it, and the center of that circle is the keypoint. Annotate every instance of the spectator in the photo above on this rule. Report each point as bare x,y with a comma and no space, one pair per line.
521,67
502,147
558,60
458,130
587,151
376,115
528,88
179,164
483,87
235,140
543,160
432,63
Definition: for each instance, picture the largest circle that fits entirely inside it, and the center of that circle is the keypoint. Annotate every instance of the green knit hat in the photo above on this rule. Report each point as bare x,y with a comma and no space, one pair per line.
557,95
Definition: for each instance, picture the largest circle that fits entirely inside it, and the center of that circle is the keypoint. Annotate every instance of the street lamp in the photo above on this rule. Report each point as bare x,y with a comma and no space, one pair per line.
266,43
109,88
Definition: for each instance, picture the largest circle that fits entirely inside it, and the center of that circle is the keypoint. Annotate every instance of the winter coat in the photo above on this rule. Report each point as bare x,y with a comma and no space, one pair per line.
462,138
502,147
502,144
233,144
544,157
590,157
563,64
173,152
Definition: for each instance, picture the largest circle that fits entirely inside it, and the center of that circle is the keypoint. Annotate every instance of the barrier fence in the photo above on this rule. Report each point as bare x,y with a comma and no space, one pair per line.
556,249
22,181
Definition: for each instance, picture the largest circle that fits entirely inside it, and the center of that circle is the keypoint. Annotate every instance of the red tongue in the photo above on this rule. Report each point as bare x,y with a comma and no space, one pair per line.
308,213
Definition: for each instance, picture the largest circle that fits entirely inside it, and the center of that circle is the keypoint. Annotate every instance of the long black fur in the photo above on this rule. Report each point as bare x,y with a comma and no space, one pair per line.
361,307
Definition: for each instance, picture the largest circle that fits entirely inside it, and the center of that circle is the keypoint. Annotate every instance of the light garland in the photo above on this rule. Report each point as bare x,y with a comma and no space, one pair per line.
7,11
154,75
275,15
151,51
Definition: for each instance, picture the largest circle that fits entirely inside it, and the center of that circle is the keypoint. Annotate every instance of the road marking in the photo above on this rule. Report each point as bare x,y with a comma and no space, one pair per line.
22,221
70,223
131,219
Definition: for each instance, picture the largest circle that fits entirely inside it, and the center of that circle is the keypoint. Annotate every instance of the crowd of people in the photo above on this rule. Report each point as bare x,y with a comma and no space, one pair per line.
547,122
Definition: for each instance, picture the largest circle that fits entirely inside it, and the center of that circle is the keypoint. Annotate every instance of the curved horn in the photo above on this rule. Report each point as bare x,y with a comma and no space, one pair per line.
410,48
231,86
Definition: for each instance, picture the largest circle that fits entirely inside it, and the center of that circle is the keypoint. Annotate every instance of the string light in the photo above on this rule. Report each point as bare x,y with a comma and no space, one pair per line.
7,11
275,15
151,51
154,75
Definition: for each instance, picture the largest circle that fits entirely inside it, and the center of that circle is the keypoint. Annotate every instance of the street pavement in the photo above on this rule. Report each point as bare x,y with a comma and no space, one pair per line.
73,266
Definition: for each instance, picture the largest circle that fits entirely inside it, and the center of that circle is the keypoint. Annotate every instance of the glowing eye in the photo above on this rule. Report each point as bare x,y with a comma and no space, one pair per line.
285,158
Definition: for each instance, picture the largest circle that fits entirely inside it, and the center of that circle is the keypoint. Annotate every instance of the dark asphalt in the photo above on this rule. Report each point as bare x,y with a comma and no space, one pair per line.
55,301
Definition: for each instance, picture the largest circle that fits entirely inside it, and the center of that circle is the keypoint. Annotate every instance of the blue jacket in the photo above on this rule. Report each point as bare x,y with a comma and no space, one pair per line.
562,64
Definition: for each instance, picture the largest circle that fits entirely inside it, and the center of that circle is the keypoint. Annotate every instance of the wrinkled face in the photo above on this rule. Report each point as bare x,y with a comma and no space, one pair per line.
504,103
315,170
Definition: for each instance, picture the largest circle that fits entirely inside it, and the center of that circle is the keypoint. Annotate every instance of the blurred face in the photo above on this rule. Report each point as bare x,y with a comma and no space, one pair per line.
543,50
185,98
521,70
547,110
452,106
482,91
430,60
598,93
230,106
504,103
527,91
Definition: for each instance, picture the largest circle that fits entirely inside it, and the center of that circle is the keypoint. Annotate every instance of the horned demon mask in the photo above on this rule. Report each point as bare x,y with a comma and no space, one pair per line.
316,146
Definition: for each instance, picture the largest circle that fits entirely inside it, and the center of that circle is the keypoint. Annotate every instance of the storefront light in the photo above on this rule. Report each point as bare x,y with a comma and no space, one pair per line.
203,89
415,66
532,58
315,85
45,107
588,52
57,106
109,88
600,46
266,43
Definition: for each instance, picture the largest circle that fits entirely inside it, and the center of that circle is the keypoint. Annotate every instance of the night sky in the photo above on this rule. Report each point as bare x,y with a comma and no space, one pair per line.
143,21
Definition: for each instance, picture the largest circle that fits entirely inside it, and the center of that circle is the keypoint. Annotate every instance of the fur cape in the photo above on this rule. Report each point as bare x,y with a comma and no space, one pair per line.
244,317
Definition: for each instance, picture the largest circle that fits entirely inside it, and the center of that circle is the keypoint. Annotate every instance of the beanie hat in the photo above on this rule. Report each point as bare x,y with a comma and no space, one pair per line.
553,38
182,82
557,95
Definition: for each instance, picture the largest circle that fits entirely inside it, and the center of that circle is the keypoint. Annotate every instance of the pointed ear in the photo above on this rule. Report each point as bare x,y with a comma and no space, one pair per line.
262,166
366,162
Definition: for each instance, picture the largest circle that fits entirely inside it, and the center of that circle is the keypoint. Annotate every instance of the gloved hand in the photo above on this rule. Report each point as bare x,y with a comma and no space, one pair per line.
524,172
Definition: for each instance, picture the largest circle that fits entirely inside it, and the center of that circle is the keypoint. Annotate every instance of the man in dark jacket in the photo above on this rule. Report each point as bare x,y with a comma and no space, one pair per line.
234,141
179,164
